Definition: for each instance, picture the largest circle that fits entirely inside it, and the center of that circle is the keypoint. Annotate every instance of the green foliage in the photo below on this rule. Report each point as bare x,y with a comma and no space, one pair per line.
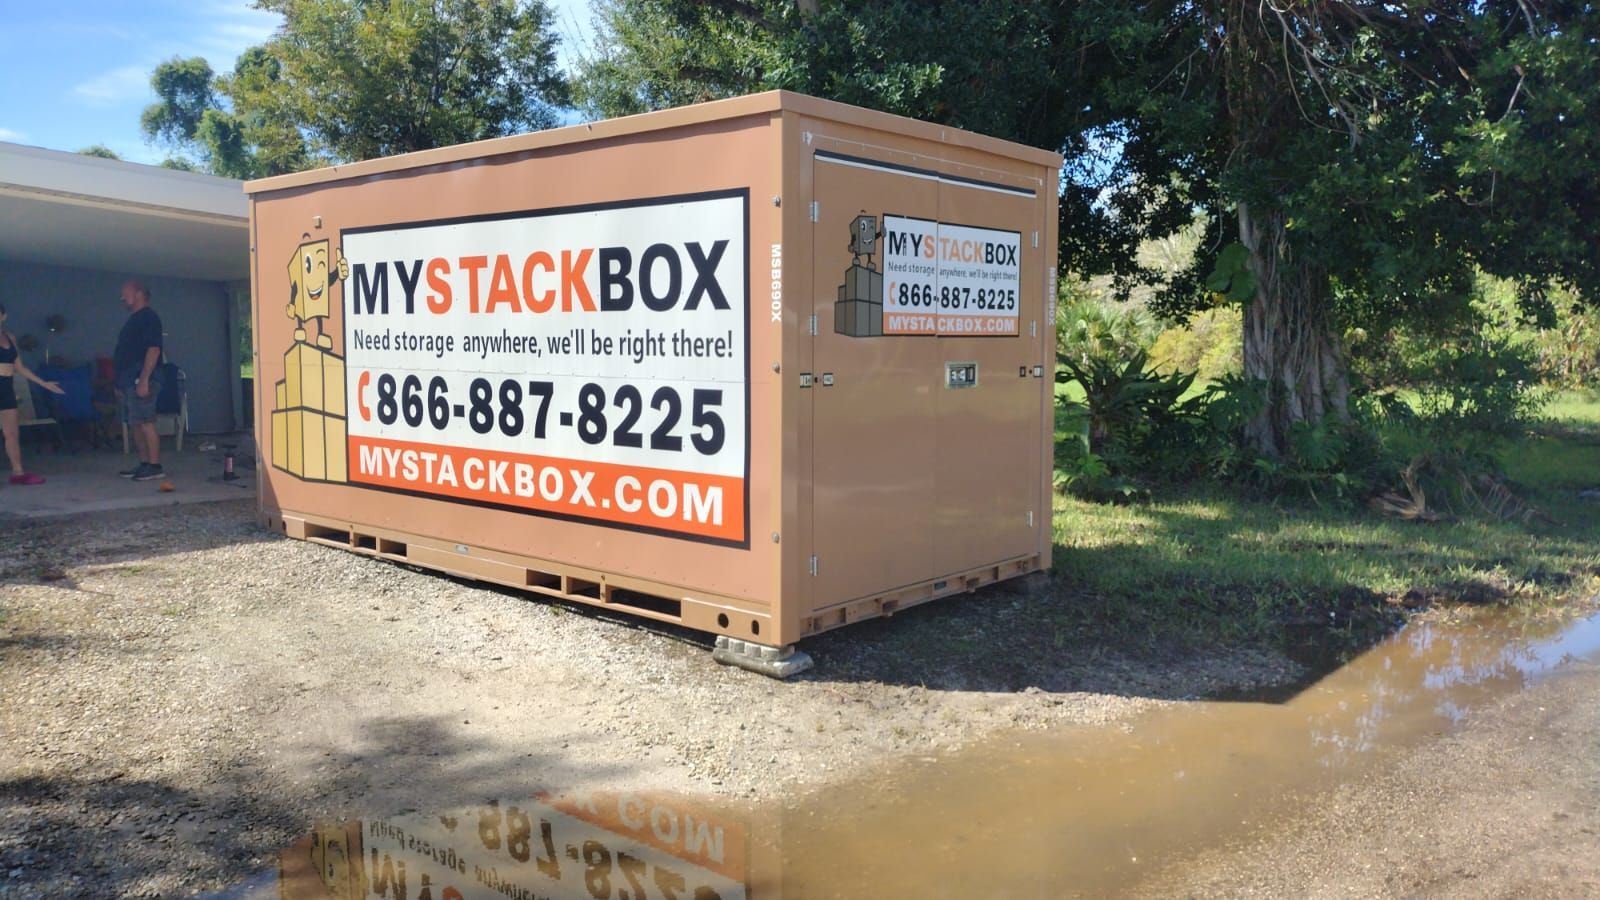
187,89
1569,352
1082,474
254,136
344,81
373,79
1147,426
1471,383
1215,562
260,135
99,150
1231,276
656,54
1124,399
1403,148
991,66
1390,151
179,164
1143,427
1210,344
1090,328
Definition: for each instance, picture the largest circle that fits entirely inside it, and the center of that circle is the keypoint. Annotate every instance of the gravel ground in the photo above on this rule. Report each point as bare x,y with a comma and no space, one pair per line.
184,693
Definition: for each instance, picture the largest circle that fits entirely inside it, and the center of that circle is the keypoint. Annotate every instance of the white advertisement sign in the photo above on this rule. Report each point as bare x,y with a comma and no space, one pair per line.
589,363
946,279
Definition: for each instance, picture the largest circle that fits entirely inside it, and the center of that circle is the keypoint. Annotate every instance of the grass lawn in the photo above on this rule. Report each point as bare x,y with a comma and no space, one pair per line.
1209,563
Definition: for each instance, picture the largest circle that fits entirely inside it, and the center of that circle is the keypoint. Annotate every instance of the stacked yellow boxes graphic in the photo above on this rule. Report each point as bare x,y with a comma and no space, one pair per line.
308,418
308,421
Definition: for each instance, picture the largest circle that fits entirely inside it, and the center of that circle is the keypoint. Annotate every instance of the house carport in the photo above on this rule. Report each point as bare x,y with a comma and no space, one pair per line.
74,227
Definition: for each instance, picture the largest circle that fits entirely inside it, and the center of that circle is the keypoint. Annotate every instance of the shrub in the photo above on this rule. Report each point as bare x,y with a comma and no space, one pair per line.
1088,327
1125,402
1211,345
1569,352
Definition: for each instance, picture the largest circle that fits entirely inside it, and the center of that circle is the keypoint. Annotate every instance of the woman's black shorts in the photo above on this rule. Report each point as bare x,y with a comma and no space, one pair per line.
8,392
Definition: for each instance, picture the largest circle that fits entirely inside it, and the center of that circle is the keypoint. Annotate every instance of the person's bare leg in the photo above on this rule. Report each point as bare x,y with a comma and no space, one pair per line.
8,427
137,434
152,443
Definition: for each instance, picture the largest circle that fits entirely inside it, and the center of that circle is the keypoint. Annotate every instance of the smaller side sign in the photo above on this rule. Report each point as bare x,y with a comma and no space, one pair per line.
948,279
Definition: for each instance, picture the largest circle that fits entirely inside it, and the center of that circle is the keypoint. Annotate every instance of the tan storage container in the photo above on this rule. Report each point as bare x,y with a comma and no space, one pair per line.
762,367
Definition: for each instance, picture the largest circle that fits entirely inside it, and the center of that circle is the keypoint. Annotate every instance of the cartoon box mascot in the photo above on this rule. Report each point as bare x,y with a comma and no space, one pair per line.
308,420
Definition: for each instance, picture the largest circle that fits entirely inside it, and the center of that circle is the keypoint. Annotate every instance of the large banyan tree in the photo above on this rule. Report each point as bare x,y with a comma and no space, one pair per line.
1355,164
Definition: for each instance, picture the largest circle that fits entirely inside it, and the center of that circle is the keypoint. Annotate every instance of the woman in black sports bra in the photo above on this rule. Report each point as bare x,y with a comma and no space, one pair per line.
11,365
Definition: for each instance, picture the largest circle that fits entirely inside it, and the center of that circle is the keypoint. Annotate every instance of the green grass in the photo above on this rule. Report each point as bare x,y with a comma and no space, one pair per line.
1575,408
1212,562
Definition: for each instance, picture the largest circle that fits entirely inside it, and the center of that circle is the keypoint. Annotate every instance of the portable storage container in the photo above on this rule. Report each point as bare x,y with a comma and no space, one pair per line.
762,367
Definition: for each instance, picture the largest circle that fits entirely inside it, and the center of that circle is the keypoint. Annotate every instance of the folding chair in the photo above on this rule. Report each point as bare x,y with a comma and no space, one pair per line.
28,415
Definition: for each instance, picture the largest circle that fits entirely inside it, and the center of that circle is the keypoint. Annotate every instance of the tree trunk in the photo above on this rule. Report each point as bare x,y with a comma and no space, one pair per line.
1289,341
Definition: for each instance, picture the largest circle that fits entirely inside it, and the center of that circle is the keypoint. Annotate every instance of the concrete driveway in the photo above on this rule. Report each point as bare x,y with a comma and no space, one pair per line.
86,481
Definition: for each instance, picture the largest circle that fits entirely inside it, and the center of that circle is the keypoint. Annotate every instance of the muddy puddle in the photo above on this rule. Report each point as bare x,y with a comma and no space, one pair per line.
1083,811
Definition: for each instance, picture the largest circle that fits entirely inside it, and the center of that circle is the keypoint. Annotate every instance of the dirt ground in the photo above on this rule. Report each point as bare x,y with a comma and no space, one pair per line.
1509,806
184,692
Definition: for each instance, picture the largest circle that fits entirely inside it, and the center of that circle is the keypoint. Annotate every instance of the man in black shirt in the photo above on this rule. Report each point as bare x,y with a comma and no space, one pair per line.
137,361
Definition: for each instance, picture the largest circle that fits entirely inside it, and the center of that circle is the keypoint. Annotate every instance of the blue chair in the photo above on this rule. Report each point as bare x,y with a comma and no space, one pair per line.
76,405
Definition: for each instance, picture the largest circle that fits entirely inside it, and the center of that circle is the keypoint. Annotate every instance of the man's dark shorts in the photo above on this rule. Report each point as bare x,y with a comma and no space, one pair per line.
137,409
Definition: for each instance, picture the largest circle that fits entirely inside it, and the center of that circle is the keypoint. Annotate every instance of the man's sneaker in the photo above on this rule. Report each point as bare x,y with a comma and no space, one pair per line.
129,473
148,472
27,478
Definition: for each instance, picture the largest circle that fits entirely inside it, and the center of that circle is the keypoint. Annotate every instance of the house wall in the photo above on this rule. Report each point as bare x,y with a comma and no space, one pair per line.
194,316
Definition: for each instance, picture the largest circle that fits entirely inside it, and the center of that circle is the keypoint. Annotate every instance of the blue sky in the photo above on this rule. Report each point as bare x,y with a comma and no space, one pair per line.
74,74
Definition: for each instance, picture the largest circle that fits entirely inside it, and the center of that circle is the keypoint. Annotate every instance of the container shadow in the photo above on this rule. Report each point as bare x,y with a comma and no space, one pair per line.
104,834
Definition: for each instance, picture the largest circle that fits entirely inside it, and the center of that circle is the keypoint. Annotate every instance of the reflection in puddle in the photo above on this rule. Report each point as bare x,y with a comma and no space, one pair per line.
544,846
1085,811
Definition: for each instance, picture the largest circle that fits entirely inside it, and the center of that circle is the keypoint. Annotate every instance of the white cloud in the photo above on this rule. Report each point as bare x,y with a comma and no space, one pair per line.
15,137
115,86
218,31
227,29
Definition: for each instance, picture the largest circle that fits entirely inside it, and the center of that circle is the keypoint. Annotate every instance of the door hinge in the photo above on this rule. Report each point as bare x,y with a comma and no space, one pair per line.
1033,328
816,211
813,565
811,326
1036,240
1030,518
